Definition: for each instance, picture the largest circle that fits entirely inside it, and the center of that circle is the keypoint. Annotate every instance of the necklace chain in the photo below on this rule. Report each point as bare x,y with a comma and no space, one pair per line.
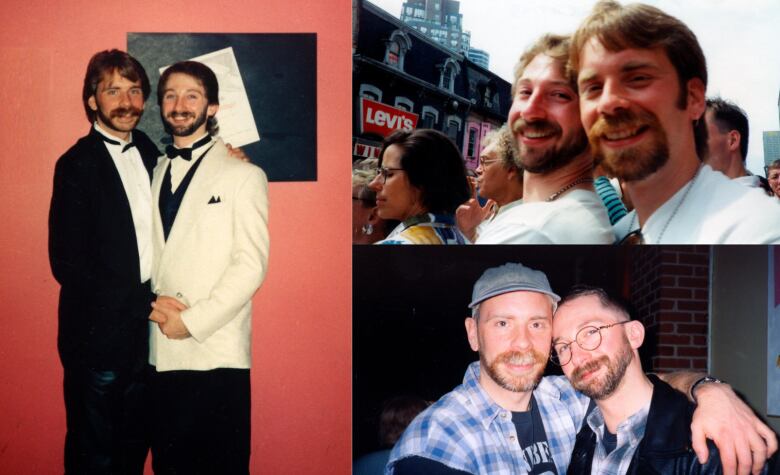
571,185
688,185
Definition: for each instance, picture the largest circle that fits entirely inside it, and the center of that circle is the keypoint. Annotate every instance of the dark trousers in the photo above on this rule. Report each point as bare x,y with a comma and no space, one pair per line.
201,422
106,418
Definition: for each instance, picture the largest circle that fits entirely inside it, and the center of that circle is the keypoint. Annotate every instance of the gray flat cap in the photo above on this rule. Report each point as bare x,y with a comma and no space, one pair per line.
510,277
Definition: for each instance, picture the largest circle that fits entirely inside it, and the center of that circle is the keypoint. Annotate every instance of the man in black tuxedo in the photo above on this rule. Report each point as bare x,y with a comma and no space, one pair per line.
100,252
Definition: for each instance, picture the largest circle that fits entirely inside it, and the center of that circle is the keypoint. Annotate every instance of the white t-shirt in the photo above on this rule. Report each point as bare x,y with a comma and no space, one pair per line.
748,180
578,217
716,210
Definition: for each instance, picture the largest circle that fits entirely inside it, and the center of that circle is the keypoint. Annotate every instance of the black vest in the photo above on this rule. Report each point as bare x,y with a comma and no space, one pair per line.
170,202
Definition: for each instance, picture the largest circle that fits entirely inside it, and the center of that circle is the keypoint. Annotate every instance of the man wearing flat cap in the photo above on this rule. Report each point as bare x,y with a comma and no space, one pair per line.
505,418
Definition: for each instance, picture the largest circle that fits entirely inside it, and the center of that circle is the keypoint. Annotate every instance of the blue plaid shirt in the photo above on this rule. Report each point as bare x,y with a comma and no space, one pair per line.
629,435
466,430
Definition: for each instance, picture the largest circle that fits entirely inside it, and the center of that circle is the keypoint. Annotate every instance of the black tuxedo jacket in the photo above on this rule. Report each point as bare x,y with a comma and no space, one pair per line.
93,252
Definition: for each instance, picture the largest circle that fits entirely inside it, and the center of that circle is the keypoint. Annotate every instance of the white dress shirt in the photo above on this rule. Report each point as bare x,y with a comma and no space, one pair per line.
180,166
135,180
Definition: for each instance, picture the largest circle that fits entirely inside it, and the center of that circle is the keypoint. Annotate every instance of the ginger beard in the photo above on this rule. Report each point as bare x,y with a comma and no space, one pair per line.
538,160
505,378
600,388
635,162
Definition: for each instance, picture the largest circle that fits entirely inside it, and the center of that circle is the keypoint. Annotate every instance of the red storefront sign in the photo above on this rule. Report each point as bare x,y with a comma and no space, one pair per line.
366,151
382,119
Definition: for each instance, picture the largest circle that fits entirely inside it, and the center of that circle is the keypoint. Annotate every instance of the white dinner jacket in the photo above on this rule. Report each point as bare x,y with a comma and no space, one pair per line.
214,261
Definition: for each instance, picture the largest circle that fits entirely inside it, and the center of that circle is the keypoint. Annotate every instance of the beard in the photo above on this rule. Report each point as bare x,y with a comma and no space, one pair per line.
631,163
184,130
119,112
514,383
598,389
542,161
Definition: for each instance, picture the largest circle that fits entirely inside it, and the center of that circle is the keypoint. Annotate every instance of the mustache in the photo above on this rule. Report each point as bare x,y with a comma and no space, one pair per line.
180,115
121,111
521,357
622,119
541,126
588,367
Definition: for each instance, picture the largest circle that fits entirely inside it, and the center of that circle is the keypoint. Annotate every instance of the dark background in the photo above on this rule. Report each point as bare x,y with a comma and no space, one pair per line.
279,74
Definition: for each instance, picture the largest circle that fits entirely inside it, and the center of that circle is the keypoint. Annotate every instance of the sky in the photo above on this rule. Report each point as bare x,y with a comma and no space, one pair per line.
740,39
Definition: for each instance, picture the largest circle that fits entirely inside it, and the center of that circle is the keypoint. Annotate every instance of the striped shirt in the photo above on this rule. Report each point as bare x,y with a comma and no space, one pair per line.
466,430
615,207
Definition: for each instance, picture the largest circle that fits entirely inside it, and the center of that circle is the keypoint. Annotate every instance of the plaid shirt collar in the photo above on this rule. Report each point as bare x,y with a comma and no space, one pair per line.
485,407
629,434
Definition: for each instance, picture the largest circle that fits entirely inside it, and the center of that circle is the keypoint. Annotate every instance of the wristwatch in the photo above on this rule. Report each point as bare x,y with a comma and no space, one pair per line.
700,381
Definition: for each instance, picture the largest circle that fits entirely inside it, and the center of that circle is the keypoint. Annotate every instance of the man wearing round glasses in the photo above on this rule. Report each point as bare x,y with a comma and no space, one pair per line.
506,419
639,421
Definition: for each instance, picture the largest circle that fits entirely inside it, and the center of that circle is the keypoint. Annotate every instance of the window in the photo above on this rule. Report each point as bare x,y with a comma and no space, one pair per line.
404,103
396,47
393,53
471,146
446,78
452,130
449,70
453,126
430,117
488,98
370,92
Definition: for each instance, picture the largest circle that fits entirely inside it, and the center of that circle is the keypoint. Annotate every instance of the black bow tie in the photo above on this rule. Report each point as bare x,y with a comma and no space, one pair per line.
186,153
116,142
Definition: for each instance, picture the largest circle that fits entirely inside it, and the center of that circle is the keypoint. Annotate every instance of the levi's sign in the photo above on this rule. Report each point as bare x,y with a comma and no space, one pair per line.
382,119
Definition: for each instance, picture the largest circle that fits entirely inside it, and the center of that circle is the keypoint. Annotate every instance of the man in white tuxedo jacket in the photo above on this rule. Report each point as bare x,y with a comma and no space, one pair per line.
210,234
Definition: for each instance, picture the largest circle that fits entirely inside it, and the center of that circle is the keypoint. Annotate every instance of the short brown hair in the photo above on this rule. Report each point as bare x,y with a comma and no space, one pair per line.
554,46
618,27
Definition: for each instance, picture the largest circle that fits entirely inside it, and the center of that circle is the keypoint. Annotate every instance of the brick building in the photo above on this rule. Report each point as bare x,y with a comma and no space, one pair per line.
402,79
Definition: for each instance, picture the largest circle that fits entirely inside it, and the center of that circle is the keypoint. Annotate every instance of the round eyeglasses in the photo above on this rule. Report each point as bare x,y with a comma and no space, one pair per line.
588,338
383,171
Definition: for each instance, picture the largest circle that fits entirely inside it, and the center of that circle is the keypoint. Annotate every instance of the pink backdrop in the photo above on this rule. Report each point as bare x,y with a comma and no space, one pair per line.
301,371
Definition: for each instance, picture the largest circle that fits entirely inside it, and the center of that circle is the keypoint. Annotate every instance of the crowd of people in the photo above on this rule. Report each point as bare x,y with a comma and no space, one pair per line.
610,139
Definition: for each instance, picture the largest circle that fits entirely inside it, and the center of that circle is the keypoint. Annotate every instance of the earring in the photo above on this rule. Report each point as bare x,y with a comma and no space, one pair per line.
368,229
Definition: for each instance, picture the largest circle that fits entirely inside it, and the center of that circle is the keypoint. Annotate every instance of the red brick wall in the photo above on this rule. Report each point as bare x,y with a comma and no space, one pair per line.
670,290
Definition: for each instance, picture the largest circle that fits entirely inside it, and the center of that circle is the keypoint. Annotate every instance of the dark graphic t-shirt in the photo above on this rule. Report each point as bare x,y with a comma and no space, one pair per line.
533,441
